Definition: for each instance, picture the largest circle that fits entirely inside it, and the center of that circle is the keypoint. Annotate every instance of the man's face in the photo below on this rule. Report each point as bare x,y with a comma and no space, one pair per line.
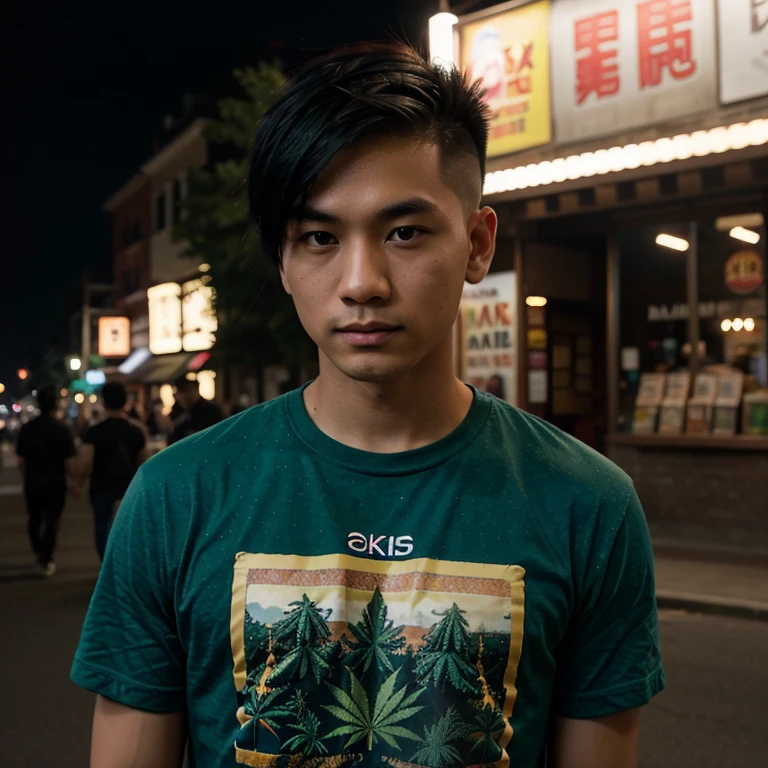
377,259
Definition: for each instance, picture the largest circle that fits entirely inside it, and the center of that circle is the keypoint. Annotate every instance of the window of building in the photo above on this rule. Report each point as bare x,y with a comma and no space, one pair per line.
160,220
178,196
701,280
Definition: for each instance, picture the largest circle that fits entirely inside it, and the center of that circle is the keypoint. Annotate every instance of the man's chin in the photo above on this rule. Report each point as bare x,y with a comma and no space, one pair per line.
372,371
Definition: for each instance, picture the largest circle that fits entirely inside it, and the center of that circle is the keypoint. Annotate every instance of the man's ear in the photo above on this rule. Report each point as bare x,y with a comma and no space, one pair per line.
283,278
482,238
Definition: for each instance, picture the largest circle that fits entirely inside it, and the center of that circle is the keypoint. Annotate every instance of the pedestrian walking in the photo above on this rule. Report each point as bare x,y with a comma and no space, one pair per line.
111,454
385,565
47,455
198,413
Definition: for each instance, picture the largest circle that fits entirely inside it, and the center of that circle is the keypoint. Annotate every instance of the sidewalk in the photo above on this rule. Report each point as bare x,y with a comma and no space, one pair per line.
711,586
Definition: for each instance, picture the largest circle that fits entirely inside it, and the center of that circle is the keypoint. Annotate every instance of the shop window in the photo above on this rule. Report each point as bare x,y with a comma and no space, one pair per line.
653,329
720,387
160,212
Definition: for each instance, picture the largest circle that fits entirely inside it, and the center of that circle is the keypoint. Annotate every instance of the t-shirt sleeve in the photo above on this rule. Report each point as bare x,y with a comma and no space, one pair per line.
129,649
611,660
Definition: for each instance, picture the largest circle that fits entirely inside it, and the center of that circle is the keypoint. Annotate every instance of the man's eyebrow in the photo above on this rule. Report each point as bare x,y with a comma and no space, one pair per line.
406,207
307,213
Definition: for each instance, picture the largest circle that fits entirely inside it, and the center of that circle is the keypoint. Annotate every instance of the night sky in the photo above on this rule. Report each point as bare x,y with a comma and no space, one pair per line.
85,87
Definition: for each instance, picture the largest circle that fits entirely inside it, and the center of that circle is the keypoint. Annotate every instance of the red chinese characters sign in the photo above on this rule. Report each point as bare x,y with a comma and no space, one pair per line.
664,40
618,64
597,63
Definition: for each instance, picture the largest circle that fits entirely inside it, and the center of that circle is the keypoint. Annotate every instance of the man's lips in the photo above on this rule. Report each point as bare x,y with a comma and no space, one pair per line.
368,334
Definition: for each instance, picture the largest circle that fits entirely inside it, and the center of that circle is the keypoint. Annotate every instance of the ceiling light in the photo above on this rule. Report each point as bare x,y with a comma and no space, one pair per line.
748,220
670,241
726,325
749,324
745,235
79,398
738,324
536,301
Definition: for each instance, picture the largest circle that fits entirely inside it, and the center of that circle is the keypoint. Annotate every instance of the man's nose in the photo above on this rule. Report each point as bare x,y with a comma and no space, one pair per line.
365,273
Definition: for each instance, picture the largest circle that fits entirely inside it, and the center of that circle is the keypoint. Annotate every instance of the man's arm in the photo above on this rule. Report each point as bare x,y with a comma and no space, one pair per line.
605,742
130,738
79,467
22,466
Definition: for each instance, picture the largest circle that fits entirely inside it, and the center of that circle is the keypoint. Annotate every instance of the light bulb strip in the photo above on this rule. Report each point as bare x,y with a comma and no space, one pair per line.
645,154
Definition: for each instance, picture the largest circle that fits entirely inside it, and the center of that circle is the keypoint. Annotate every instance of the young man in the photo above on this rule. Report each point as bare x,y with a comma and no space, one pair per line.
47,454
198,414
112,452
384,566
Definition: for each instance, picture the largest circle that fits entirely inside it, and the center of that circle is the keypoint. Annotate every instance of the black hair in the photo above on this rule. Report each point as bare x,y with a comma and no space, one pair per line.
356,92
182,382
47,399
114,395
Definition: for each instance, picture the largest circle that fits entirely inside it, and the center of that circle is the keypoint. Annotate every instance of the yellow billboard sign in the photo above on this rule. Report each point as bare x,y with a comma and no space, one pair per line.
508,53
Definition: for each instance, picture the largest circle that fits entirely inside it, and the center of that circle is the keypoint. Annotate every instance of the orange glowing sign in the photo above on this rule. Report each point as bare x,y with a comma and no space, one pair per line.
744,271
114,336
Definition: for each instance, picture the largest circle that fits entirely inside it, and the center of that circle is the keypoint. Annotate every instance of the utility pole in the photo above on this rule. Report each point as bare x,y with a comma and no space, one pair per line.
89,289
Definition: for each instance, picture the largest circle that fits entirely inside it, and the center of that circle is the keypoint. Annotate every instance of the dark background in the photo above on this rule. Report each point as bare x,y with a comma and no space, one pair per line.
85,90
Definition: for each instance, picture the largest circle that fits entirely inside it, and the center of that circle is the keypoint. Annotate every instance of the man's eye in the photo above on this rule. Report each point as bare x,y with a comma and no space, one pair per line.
319,239
405,234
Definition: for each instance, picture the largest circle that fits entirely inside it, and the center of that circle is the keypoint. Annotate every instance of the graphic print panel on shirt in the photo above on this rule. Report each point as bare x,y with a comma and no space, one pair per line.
341,660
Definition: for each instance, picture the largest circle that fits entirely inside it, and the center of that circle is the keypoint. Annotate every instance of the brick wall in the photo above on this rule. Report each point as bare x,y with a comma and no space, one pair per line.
701,496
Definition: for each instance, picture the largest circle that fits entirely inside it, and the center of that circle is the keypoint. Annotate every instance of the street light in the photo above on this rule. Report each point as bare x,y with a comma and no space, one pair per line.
2,388
22,373
75,363
441,38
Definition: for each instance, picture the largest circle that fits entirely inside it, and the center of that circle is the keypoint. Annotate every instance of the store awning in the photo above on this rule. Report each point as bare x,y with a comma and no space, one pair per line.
162,369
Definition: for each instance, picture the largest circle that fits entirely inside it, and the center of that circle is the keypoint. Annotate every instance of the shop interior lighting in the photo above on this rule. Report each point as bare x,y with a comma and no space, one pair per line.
749,325
670,241
79,398
726,325
737,324
629,157
745,235
747,220
536,301
205,267
93,398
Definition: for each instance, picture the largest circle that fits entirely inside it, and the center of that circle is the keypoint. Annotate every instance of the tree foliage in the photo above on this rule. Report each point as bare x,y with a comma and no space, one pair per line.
376,639
436,749
448,654
305,632
257,321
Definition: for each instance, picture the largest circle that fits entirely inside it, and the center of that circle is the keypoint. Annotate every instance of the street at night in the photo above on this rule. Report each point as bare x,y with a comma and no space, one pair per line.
712,714
391,381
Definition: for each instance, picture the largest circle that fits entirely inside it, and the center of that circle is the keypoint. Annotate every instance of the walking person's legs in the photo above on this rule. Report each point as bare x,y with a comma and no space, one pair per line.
53,506
34,521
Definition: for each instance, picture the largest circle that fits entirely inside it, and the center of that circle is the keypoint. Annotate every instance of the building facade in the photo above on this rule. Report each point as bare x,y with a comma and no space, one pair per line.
628,163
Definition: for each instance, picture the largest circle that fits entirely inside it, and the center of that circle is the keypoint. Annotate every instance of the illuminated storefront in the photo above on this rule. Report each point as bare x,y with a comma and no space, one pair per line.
632,192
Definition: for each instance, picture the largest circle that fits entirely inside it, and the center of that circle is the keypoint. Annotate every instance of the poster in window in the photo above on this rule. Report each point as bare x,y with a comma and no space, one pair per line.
488,333
508,54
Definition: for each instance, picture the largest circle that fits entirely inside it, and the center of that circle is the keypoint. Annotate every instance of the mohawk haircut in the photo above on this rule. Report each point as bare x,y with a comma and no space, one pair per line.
386,89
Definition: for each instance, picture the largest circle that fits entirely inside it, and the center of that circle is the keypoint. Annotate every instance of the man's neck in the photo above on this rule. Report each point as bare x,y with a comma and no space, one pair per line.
115,414
410,412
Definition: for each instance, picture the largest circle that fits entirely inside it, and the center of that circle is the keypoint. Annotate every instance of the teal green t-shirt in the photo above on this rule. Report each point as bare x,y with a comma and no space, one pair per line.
308,603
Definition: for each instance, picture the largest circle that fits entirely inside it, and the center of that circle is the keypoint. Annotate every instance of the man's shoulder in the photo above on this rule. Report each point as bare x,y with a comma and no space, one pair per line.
253,430
548,457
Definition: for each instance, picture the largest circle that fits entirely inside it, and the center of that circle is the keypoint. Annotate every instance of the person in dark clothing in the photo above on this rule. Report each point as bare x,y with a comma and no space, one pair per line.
47,454
112,453
198,414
